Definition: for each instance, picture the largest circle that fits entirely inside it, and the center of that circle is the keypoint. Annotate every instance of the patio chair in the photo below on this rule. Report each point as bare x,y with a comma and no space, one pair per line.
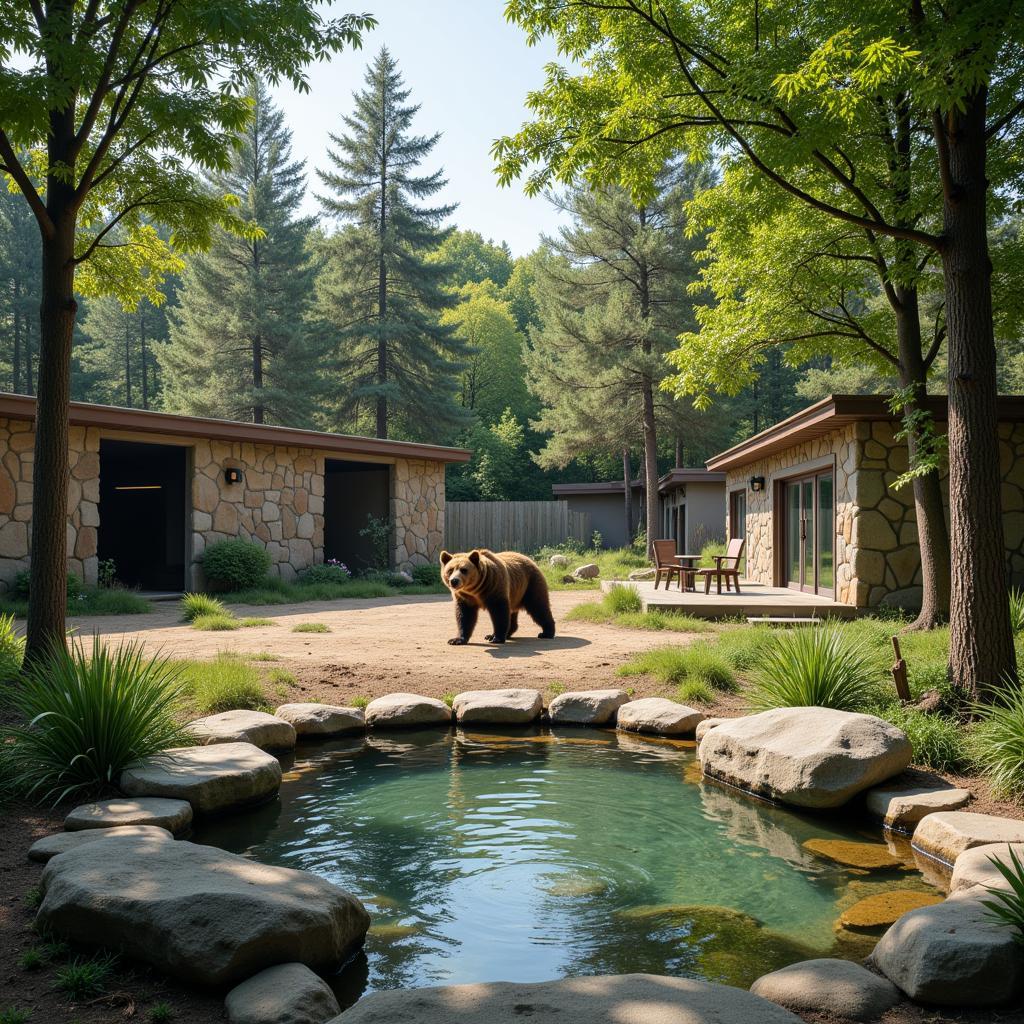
727,567
665,564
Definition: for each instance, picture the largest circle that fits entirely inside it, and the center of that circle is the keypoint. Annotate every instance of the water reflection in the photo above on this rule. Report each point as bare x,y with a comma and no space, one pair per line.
534,855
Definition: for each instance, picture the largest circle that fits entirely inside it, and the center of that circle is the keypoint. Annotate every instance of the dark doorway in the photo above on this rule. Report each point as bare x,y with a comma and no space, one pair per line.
143,513
354,491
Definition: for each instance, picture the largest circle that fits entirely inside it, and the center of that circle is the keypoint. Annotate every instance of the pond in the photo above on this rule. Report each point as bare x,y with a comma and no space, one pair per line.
533,856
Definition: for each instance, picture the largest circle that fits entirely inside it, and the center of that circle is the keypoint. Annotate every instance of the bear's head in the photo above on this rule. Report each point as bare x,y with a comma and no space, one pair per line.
461,571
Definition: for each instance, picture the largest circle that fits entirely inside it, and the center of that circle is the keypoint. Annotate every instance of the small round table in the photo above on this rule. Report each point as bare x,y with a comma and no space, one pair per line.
688,574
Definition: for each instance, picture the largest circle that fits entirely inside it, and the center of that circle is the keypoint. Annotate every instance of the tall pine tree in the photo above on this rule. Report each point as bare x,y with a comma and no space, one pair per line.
242,345
379,291
19,293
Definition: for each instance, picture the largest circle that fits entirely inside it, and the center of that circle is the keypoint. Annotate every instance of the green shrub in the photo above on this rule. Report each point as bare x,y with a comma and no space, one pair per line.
216,623
938,741
88,714
311,627
813,667
998,741
694,691
329,572
1007,906
194,605
674,665
223,684
20,585
621,599
12,649
427,575
1017,610
235,564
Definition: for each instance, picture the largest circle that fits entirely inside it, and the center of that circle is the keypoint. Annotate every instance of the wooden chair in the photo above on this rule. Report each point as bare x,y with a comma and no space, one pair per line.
727,567
665,563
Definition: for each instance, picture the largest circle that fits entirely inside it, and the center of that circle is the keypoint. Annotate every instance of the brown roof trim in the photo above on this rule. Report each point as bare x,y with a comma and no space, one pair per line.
83,414
682,475
694,475
833,413
606,487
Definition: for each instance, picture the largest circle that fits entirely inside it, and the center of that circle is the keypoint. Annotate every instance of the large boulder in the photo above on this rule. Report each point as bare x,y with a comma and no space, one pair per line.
947,834
173,815
211,779
658,715
839,988
309,719
609,999
285,994
198,913
407,711
43,850
975,866
586,707
903,802
704,727
952,954
497,707
807,757
256,727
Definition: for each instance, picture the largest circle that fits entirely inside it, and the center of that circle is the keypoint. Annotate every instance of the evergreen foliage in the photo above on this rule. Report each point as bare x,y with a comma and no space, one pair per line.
241,345
19,295
380,293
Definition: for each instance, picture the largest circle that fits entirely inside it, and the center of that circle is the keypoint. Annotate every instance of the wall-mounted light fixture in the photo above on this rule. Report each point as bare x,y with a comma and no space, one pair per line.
757,483
233,475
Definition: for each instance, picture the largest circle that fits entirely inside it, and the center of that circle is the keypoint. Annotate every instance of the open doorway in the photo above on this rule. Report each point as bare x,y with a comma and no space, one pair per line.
143,513
354,491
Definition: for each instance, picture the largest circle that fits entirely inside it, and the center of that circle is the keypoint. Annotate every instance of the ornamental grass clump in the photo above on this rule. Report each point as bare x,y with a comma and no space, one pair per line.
816,667
1017,610
86,714
12,649
623,599
998,741
1007,906
195,605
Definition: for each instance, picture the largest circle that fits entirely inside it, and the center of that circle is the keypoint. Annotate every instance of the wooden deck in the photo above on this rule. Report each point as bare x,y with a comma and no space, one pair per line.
754,600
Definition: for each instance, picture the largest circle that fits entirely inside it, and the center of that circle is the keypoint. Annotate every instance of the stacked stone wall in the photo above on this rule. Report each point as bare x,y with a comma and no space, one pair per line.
417,509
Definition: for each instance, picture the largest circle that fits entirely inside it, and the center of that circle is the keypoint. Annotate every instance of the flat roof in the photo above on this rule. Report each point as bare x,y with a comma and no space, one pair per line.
692,475
835,412
145,421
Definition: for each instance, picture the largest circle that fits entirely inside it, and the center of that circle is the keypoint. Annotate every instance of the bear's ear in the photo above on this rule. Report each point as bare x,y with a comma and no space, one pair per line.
446,557
474,557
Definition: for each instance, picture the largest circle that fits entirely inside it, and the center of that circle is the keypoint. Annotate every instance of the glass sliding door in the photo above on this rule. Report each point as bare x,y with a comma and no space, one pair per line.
809,534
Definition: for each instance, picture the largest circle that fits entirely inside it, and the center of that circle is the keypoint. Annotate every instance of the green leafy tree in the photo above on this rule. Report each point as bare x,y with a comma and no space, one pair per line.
241,342
794,91
380,292
501,458
106,106
471,259
518,293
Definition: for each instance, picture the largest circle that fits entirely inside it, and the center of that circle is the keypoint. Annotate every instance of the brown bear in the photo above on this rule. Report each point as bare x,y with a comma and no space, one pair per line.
502,583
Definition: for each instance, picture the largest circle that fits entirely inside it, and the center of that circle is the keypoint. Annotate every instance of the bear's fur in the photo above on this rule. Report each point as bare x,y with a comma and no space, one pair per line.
503,583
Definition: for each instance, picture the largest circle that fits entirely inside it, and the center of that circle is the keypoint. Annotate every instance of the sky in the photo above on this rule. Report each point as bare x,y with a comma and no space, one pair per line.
470,71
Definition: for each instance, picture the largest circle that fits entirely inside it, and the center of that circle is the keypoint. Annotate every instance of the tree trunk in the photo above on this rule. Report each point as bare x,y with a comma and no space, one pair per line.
981,654
48,580
627,480
650,464
382,280
929,506
257,380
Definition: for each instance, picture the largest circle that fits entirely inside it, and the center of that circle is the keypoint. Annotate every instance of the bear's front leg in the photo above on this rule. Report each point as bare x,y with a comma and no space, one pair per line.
500,616
465,622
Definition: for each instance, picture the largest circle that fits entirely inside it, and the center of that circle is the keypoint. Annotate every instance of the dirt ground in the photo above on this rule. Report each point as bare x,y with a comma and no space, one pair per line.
381,645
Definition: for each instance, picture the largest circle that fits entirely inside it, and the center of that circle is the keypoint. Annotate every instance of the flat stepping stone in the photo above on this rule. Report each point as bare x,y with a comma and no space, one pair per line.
285,994
951,954
812,757
839,988
407,711
869,856
609,999
885,908
211,779
49,847
947,834
586,707
256,727
974,867
322,719
658,716
197,913
901,805
173,815
497,707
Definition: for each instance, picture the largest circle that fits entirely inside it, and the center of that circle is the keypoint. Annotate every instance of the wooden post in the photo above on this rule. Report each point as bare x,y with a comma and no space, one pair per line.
899,672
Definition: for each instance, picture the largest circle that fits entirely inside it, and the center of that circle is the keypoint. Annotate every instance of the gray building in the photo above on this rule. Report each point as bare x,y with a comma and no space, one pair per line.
691,508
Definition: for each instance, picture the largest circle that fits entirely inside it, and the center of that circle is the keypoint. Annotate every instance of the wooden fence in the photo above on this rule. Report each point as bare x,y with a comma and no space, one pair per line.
512,525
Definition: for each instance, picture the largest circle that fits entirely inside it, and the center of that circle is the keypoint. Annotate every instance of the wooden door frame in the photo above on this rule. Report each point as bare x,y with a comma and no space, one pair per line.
811,468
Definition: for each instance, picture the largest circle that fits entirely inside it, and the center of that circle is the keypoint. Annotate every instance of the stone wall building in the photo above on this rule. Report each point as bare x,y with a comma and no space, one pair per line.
152,490
816,500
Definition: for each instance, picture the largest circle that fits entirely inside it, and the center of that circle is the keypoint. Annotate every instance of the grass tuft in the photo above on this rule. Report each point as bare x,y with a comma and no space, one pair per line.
998,741
674,665
311,627
12,1015
159,1013
84,978
938,741
251,622
193,606
216,623
223,684
622,598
